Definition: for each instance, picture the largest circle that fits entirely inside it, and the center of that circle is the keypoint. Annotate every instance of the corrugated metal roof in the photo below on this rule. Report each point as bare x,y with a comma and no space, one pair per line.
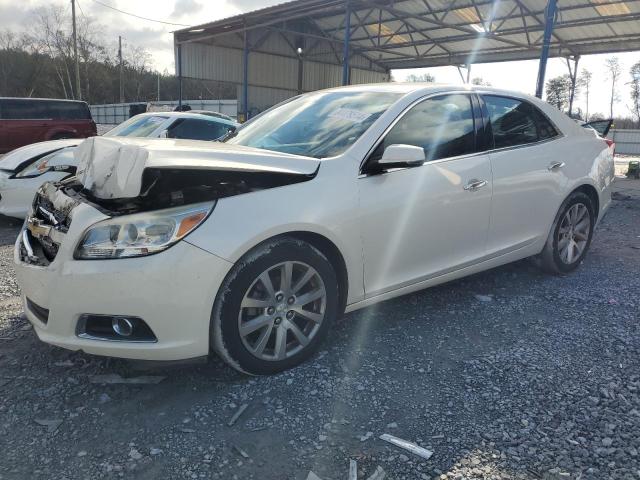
414,33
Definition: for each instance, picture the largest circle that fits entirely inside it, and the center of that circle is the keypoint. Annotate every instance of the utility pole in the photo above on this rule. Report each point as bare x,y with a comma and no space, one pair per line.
75,50
158,86
121,72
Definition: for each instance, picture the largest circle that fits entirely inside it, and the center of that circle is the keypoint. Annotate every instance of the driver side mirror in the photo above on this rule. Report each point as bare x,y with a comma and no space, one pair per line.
402,156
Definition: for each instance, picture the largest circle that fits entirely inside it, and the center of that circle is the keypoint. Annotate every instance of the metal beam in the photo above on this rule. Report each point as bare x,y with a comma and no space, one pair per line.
347,36
245,76
179,77
549,19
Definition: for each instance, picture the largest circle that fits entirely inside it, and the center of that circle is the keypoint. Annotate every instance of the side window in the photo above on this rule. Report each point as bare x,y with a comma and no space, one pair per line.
24,110
443,126
193,129
512,121
546,129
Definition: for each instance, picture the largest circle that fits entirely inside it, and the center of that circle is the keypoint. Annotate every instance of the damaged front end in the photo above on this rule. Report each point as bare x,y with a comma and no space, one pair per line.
164,187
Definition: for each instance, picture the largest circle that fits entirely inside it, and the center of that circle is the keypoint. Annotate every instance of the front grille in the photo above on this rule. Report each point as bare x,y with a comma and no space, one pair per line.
44,215
40,313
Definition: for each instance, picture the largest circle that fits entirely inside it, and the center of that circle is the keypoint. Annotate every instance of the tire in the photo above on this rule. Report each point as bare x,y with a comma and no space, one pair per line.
278,343
569,240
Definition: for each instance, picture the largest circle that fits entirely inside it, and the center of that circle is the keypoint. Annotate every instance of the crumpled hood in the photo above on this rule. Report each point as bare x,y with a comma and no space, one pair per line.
112,168
17,157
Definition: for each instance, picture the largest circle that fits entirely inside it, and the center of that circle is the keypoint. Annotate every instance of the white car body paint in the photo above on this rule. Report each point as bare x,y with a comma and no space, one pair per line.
397,232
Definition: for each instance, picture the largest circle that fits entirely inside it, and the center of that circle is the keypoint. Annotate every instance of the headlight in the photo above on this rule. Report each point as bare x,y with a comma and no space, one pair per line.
35,169
142,233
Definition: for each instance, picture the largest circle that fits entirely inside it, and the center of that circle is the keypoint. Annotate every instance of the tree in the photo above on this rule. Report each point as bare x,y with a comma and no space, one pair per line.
635,90
613,68
480,81
584,81
559,91
425,77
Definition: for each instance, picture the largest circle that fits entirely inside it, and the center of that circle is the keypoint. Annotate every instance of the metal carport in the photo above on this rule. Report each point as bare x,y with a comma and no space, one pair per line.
309,44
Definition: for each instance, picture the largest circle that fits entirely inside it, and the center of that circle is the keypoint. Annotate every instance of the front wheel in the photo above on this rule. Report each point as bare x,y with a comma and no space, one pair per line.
570,236
275,307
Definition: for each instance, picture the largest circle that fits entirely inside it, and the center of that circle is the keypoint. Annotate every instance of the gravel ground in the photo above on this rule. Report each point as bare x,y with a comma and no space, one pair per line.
506,374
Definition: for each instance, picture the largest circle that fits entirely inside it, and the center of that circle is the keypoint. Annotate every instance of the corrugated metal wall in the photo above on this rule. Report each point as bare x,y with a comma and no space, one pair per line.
273,76
627,141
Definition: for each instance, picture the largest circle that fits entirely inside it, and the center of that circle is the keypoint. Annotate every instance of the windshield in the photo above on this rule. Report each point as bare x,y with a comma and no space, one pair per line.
322,124
137,127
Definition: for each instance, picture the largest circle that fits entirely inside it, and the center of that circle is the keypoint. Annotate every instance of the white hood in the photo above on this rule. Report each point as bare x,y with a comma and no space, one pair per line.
17,157
112,167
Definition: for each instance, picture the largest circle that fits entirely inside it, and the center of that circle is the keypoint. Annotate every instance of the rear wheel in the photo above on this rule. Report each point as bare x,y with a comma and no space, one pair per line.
275,307
570,236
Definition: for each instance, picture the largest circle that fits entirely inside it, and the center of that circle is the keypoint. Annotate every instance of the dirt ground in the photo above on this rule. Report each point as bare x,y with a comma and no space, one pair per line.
507,374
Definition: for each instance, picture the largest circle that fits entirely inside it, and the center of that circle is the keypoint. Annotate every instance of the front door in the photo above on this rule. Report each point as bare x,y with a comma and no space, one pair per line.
424,221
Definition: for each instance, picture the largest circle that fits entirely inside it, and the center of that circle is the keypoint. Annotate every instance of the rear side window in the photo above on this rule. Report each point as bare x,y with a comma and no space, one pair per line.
69,111
516,122
142,126
194,129
443,126
25,109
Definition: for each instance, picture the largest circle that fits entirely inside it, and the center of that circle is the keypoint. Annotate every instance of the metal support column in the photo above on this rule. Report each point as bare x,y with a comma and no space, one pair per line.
549,20
245,76
347,40
179,77
573,75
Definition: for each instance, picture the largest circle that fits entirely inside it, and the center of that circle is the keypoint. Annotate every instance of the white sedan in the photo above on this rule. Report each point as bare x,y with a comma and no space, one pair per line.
327,203
23,170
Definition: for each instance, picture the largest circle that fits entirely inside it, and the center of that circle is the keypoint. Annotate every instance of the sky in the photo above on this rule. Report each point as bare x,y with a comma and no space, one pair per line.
157,39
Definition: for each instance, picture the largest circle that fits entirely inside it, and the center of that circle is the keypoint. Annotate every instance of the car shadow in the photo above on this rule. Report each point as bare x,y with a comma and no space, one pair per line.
9,229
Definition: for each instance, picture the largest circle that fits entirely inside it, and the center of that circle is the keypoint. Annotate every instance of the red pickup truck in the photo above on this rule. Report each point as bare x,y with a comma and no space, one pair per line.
29,120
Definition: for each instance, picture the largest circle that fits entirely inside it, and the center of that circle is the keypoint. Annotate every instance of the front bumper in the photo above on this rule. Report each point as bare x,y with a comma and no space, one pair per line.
172,291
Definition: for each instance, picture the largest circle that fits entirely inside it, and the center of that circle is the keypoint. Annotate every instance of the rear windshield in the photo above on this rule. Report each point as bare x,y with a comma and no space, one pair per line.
319,124
139,126
30,109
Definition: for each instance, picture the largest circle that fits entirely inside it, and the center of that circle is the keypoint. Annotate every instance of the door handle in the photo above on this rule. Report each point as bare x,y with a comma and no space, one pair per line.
474,185
555,166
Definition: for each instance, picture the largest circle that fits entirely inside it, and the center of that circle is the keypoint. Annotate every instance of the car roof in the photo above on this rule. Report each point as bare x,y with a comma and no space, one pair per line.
43,99
199,116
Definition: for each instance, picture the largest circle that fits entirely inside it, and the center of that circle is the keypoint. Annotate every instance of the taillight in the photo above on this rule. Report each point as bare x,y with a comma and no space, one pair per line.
610,143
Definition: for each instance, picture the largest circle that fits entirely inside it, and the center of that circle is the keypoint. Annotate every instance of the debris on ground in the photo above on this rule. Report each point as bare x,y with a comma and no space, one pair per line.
353,470
379,474
52,425
410,446
313,476
114,378
242,453
236,415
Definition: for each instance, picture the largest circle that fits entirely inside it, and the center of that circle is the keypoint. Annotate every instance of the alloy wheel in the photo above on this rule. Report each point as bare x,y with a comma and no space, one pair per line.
282,310
573,233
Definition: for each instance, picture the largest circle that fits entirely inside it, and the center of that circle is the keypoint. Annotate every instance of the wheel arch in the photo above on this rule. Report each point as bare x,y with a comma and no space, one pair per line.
591,192
328,248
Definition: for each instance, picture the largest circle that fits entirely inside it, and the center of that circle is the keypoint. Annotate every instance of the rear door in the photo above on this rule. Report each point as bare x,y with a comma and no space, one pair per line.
428,220
25,121
527,164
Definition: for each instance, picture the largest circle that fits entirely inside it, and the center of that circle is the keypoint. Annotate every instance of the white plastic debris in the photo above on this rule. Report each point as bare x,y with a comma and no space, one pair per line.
409,446
236,416
313,476
353,470
379,474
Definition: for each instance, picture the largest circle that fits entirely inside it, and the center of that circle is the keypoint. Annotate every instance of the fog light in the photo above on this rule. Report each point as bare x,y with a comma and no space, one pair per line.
122,326
114,328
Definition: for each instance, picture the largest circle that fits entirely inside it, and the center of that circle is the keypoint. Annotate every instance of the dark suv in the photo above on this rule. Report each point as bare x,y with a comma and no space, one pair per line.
29,120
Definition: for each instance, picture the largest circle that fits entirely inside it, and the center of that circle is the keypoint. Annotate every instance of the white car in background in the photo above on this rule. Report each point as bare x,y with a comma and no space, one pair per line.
329,202
23,170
